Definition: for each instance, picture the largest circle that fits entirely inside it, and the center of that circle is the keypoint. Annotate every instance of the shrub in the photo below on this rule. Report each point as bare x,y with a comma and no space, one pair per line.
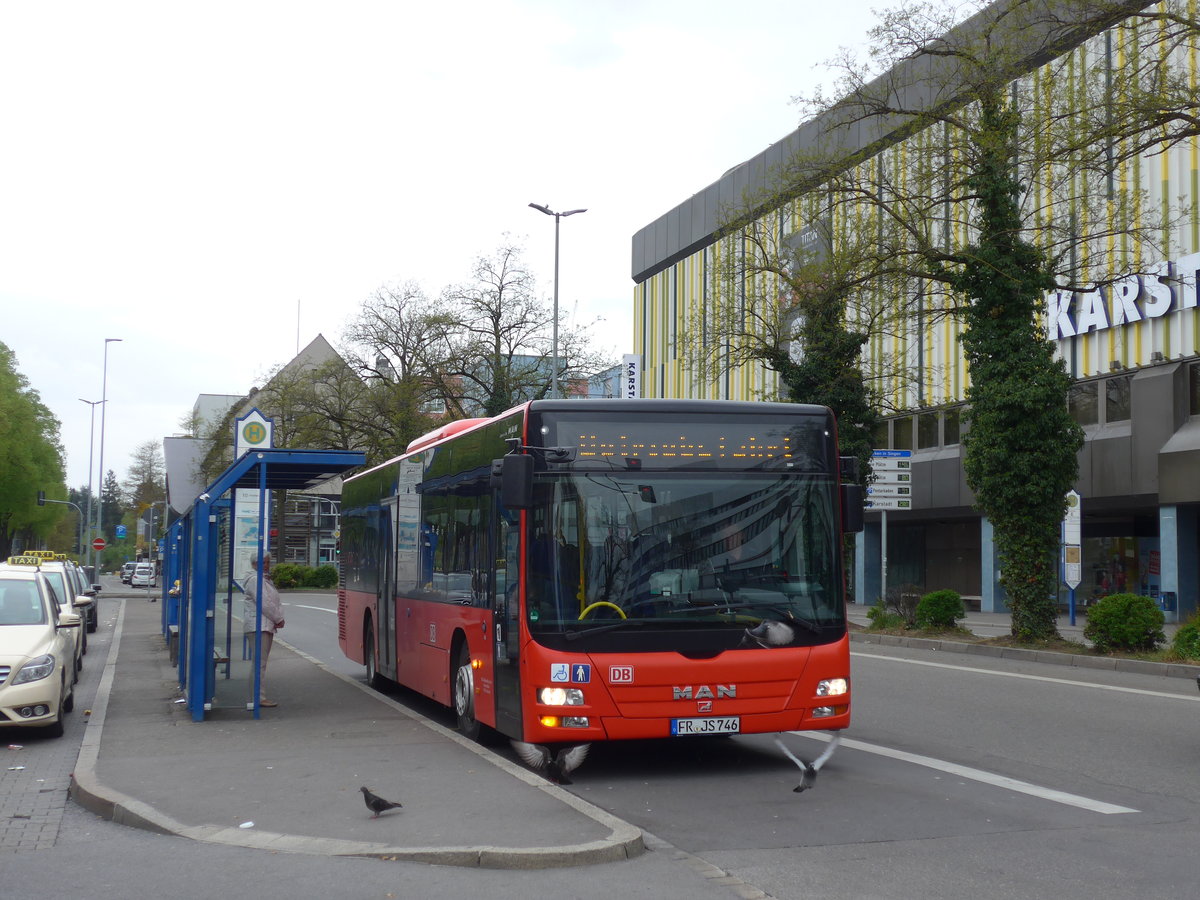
940,609
902,601
287,575
1187,640
321,577
1124,622
882,618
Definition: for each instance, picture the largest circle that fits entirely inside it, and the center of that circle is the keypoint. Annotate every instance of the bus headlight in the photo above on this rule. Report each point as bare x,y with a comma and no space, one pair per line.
557,696
832,687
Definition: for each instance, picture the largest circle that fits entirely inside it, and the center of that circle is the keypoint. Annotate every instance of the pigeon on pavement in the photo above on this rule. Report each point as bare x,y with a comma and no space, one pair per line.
377,804
556,767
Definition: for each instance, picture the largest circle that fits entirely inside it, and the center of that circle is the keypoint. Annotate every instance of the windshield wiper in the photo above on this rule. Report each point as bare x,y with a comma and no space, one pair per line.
608,626
755,604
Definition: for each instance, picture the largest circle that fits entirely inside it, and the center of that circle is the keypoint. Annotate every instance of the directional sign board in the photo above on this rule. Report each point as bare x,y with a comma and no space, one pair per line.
892,485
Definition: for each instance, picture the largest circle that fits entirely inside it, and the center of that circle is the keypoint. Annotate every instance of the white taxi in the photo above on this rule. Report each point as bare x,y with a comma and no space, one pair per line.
56,568
37,686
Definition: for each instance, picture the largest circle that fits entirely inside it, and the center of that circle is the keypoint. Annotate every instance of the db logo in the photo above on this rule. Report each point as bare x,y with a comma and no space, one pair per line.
620,674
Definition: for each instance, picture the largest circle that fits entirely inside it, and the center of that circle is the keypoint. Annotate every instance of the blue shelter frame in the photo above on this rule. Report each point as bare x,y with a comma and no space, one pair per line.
192,556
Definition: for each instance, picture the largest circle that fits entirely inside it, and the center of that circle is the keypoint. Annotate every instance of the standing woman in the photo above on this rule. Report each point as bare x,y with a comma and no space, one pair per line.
272,620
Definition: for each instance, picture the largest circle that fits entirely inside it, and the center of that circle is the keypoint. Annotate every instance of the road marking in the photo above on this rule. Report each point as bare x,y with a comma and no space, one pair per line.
1001,781
317,608
1100,687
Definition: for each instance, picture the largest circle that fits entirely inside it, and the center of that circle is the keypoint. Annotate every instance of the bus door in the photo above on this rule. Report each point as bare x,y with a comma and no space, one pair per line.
505,625
385,603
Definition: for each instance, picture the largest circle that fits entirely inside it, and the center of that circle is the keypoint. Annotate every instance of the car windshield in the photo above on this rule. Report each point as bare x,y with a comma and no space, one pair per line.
616,551
20,603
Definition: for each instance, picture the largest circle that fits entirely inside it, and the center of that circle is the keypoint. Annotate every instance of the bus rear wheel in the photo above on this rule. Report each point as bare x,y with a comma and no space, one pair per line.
464,694
374,679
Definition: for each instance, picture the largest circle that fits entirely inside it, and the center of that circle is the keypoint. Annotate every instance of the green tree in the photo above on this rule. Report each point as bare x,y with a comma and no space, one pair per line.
112,507
31,459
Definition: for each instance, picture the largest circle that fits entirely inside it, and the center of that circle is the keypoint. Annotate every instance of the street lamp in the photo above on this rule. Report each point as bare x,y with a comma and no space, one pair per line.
554,388
103,415
91,446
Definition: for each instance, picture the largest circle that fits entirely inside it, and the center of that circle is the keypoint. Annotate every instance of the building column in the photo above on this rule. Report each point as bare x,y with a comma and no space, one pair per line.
866,564
993,598
1179,571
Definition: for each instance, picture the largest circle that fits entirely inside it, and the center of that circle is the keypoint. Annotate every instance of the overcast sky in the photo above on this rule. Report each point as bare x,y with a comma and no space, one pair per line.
216,183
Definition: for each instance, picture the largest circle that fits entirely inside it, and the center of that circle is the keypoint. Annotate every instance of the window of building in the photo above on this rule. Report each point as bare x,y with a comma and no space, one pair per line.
1194,388
879,436
950,435
1083,404
1116,399
902,433
927,431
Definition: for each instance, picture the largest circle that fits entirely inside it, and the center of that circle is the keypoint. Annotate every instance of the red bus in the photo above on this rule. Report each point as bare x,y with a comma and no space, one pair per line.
590,570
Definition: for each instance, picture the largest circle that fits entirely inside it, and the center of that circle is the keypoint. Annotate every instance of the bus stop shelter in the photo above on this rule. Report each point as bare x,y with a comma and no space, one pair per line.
192,556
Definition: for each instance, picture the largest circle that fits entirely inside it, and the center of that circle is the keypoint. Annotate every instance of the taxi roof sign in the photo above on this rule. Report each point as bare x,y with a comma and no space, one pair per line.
41,554
25,559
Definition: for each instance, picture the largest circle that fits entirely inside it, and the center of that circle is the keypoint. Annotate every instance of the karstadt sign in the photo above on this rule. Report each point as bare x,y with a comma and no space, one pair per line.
1168,286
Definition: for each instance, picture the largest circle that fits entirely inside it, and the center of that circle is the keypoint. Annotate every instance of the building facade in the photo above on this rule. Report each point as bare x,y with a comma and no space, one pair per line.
1130,342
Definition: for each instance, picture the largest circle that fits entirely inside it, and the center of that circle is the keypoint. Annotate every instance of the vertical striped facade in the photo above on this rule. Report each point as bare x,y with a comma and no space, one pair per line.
1136,339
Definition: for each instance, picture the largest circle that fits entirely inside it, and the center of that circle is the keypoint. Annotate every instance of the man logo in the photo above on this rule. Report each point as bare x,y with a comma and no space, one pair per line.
704,692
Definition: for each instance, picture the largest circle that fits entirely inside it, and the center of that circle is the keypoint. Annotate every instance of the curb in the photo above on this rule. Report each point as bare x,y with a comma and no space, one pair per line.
625,841
1109,663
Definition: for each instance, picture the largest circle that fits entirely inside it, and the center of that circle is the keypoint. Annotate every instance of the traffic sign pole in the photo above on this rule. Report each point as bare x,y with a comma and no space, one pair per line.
890,488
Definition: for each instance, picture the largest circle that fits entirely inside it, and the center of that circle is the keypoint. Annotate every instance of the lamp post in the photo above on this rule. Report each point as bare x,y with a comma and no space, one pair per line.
88,517
103,412
554,387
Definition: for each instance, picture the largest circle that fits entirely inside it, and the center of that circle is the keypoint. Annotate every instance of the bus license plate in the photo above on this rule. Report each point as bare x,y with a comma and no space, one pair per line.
720,725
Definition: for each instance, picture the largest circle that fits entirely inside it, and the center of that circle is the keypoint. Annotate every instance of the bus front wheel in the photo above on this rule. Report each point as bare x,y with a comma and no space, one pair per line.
464,694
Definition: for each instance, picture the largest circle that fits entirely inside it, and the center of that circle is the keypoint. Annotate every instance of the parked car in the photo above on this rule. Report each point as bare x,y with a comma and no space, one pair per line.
59,573
127,572
91,590
36,651
144,576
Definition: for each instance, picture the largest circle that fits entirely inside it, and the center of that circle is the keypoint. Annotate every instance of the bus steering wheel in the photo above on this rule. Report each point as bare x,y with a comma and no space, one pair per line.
587,609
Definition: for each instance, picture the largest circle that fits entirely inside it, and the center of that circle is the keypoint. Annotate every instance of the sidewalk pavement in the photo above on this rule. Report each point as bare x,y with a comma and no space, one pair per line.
290,780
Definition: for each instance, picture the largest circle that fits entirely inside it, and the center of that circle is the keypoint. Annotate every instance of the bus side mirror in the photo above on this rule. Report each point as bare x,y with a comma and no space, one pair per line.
852,508
516,481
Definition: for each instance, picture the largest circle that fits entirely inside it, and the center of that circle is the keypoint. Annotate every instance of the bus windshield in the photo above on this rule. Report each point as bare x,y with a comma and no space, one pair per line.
653,551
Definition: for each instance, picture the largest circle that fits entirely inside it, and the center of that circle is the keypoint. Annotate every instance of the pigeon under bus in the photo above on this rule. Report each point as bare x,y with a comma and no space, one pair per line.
575,571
